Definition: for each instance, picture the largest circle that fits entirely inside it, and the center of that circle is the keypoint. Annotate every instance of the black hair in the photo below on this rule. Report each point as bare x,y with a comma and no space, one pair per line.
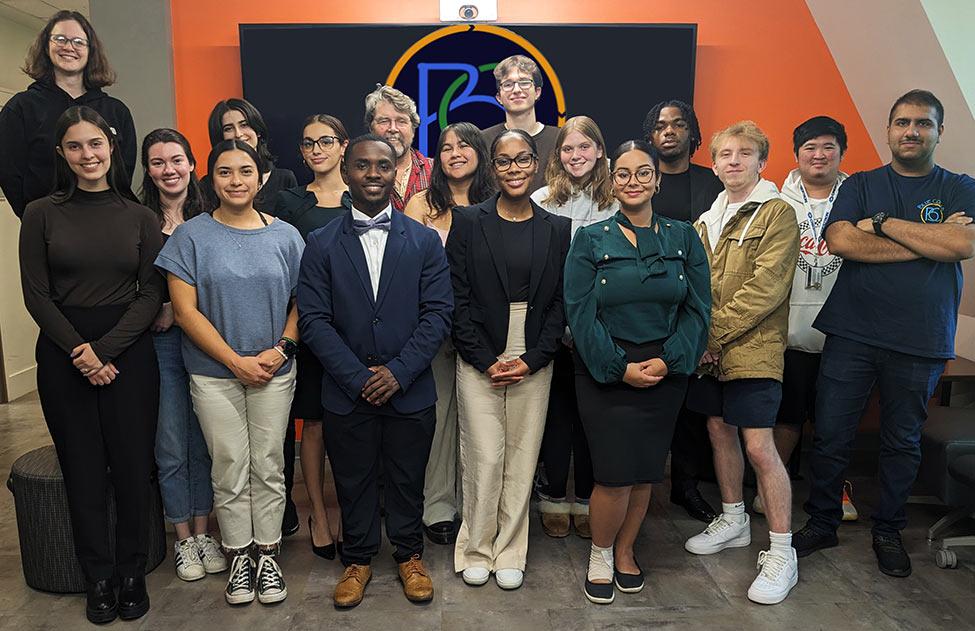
223,147
686,112
439,198
919,97
66,180
253,118
195,202
636,145
368,138
521,133
819,126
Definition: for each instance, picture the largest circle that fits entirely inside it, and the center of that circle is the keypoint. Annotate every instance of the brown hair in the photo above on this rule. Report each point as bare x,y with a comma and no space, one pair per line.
597,182
97,74
742,129
525,64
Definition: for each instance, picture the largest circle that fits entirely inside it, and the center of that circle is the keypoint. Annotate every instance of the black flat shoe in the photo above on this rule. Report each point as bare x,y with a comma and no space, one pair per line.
101,606
695,505
808,539
326,552
600,593
628,583
133,600
442,532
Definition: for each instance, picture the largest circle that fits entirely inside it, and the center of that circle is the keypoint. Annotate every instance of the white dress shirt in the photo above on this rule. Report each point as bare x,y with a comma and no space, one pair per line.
373,246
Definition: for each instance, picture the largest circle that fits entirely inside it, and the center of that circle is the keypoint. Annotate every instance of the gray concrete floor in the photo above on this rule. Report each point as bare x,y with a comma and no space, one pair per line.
838,589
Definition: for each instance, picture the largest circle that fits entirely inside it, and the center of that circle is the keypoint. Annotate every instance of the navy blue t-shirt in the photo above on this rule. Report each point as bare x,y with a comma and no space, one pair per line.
909,307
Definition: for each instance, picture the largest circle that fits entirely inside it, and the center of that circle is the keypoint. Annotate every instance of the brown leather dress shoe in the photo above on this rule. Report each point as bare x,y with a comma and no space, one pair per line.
352,585
416,582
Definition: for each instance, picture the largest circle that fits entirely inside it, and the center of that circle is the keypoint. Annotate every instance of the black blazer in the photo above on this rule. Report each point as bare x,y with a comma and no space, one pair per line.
480,279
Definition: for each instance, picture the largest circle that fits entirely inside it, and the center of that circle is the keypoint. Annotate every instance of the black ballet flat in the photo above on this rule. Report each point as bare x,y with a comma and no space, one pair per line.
628,583
326,552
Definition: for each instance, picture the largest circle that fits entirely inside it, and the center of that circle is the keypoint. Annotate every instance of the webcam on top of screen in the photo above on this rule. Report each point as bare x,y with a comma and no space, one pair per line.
468,10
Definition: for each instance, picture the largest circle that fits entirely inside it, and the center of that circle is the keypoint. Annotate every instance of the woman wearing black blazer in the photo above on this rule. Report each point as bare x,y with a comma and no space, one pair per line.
506,257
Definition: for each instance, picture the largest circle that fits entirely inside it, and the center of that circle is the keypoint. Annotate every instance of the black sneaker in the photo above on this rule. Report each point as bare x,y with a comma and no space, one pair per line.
891,556
810,539
270,581
240,585
600,593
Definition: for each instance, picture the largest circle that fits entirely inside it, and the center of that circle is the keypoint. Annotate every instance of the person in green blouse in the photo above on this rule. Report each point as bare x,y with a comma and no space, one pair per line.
638,302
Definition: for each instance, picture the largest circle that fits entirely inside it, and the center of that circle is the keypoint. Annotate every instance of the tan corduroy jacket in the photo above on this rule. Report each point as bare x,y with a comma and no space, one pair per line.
752,264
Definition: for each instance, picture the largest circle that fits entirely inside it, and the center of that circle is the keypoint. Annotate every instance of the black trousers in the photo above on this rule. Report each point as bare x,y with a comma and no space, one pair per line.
690,451
359,445
564,435
102,434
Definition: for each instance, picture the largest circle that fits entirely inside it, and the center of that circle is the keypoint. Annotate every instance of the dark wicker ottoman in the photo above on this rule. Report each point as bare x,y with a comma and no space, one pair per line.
44,525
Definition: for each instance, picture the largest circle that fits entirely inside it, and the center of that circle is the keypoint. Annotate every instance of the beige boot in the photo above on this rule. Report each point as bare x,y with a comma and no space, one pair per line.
580,517
555,518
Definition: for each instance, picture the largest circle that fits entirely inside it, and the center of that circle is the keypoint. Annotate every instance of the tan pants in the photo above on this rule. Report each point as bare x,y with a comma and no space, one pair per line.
244,429
500,435
440,493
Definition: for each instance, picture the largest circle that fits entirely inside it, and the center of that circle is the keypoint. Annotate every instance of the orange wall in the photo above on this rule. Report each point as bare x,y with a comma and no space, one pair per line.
763,59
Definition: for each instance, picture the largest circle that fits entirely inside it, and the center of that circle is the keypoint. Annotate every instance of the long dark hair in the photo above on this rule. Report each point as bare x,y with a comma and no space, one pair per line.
636,145
253,118
439,199
223,147
66,180
98,73
194,204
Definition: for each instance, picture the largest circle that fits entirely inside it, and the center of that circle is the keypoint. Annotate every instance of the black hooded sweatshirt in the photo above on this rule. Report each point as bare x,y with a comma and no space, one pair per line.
27,125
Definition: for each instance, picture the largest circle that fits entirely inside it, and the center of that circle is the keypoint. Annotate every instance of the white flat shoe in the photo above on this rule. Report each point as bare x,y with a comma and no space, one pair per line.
509,578
476,575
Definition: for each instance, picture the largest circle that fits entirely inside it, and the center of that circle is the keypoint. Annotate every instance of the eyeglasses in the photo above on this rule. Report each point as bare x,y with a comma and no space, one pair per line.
324,143
622,177
401,121
524,161
524,84
63,40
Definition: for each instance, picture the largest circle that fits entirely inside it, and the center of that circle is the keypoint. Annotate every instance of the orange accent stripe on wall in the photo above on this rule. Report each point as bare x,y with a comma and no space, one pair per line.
764,59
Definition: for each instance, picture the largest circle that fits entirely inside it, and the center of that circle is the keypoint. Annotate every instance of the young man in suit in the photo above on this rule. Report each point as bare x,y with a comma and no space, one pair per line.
375,304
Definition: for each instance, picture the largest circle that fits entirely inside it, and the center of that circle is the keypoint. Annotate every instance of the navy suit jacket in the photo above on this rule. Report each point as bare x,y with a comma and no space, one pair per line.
402,328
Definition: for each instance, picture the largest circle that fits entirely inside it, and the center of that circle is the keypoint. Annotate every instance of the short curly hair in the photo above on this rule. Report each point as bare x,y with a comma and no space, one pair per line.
686,112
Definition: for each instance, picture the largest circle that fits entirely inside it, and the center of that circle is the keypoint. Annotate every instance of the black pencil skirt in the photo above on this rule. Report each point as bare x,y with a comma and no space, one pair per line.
629,429
103,434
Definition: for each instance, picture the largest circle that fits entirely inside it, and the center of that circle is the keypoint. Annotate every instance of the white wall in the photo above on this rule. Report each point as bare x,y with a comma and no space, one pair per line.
17,331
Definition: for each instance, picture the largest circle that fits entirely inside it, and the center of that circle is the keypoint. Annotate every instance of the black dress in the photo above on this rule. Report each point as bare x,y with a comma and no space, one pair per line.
299,207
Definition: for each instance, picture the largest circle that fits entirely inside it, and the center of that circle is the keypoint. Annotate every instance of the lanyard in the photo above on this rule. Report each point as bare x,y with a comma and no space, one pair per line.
818,235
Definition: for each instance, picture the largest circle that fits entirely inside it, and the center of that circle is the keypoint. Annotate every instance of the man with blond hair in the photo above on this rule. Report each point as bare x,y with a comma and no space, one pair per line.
752,241
519,83
392,115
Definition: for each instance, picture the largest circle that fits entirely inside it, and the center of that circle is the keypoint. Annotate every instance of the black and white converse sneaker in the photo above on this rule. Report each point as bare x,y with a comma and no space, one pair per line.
240,585
270,581
187,558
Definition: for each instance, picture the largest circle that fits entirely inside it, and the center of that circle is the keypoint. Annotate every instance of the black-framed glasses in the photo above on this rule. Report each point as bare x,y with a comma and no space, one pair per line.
523,161
63,40
524,84
643,175
324,143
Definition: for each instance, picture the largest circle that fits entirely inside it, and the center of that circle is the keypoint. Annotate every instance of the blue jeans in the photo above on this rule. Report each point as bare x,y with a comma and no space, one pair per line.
181,451
847,375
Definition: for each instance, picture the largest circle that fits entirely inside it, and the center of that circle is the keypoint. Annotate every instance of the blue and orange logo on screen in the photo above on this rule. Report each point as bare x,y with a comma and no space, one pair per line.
449,73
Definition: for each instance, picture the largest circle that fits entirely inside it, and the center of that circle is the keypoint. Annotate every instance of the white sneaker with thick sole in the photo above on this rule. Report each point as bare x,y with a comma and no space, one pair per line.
240,584
187,558
778,574
720,534
509,578
476,575
212,557
270,581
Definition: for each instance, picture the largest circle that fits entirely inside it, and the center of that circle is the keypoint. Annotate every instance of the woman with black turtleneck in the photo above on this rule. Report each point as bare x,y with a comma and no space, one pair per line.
69,68
86,261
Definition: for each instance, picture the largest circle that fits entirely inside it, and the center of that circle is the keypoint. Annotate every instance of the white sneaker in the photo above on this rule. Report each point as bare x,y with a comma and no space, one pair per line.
212,557
187,557
509,578
779,574
240,585
270,581
720,534
476,575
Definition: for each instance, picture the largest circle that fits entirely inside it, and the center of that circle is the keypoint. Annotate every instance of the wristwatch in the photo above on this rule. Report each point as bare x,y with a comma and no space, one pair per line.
287,346
878,222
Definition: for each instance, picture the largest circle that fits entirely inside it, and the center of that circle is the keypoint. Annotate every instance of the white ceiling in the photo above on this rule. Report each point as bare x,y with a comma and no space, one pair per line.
34,13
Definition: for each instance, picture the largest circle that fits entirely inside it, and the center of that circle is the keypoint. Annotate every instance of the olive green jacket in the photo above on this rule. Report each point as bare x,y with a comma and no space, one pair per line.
752,264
